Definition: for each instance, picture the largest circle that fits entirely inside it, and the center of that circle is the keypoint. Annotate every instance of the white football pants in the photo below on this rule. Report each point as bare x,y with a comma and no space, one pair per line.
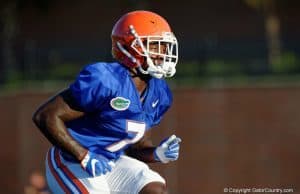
128,176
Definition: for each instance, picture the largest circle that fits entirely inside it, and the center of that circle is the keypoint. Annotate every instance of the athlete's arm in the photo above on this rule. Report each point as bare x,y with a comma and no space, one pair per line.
50,118
143,150
166,151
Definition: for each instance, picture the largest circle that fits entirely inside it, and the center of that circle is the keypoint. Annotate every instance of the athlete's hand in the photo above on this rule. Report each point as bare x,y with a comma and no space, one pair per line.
95,164
168,150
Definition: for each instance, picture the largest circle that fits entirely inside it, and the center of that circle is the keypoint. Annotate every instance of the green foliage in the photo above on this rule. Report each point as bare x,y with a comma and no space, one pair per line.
288,62
66,71
218,67
191,69
216,72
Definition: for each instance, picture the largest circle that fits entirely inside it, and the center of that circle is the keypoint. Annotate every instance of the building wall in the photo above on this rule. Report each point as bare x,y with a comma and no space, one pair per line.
233,137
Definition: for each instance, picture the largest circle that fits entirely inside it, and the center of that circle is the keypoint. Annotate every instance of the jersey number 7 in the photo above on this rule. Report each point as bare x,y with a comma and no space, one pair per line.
137,129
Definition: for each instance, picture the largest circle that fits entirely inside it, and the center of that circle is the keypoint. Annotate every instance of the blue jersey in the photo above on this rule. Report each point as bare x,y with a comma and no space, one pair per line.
115,116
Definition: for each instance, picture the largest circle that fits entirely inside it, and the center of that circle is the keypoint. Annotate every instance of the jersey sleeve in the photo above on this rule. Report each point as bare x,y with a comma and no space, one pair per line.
88,90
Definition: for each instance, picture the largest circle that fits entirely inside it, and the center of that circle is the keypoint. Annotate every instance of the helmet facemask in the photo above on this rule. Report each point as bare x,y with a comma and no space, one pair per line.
167,52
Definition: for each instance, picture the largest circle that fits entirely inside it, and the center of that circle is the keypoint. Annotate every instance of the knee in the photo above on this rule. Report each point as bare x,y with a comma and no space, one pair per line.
154,188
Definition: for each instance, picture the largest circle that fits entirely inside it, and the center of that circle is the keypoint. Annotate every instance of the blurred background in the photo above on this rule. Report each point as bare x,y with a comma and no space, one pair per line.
236,91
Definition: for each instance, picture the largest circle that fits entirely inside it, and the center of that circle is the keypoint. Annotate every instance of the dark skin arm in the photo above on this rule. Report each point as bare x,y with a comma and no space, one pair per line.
50,118
143,150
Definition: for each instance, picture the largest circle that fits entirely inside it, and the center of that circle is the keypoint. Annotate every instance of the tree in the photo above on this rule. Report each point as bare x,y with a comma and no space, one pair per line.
272,26
8,22
9,10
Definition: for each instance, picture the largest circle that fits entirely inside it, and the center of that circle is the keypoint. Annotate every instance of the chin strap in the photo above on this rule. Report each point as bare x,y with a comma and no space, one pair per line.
125,52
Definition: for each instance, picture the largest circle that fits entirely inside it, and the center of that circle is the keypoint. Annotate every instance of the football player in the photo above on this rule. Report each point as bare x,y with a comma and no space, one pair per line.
99,126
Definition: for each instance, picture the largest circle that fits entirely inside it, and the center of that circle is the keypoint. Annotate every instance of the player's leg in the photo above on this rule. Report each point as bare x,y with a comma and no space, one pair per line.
154,188
65,175
132,176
